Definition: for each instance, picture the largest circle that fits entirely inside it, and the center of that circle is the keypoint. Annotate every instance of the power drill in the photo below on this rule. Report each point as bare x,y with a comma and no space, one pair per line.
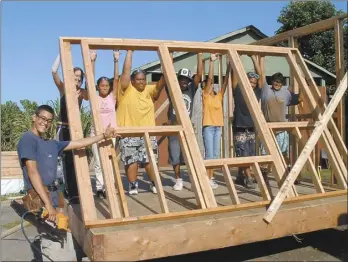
61,220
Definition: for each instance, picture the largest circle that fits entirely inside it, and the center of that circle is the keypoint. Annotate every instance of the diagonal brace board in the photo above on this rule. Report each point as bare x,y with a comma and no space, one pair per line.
113,203
88,210
184,120
317,132
257,116
330,147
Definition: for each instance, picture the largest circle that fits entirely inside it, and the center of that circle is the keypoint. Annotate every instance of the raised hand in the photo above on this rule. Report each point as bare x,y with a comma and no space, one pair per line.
116,55
93,55
213,57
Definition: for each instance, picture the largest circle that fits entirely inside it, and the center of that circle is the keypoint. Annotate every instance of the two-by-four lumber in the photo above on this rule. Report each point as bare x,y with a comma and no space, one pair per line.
260,181
317,105
230,185
309,163
191,170
80,158
237,161
339,50
301,31
290,125
113,203
175,46
156,174
257,116
322,106
303,157
184,120
118,180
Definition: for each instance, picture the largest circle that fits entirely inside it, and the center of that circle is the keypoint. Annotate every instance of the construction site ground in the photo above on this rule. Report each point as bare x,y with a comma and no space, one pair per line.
325,245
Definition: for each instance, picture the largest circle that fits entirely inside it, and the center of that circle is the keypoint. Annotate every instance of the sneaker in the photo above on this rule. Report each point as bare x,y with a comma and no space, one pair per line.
133,188
248,183
153,188
179,184
101,194
213,184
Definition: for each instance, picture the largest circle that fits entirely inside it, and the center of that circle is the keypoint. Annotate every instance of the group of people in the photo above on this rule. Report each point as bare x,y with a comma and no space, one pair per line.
128,101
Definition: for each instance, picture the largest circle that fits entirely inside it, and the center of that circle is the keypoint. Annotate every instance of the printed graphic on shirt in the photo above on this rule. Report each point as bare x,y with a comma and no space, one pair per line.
187,101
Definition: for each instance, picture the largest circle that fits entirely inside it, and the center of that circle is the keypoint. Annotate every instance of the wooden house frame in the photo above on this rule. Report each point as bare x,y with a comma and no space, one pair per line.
96,244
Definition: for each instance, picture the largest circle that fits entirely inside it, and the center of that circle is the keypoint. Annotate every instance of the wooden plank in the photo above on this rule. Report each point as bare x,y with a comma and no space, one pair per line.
155,172
301,31
210,211
339,52
309,163
163,107
322,106
184,120
290,125
80,158
315,102
230,113
118,181
191,170
177,46
305,154
256,114
237,161
152,130
113,204
230,185
260,181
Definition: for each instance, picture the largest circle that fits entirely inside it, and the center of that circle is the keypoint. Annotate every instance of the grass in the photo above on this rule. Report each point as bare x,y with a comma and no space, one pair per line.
325,175
6,197
11,224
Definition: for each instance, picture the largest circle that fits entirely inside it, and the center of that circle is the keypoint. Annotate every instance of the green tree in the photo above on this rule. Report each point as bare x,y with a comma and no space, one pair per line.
9,112
318,47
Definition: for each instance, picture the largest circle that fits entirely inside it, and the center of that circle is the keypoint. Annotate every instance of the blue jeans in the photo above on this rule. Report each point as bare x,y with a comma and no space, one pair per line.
212,138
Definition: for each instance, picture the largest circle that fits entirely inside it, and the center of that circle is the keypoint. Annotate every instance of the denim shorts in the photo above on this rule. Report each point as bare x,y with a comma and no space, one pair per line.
174,151
282,141
244,143
212,140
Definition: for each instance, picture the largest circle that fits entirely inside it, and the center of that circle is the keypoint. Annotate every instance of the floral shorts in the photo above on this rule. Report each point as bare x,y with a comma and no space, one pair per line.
244,143
133,150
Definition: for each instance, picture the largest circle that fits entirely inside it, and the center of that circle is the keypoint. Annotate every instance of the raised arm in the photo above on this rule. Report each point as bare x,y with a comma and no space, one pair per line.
224,85
126,73
198,76
161,83
115,82
93,56
38,186
56,78
210,81
258,70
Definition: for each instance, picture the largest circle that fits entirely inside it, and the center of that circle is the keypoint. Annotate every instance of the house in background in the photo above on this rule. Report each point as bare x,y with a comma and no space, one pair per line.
245,35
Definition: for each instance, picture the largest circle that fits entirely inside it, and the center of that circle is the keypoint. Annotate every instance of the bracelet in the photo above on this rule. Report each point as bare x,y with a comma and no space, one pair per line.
115,60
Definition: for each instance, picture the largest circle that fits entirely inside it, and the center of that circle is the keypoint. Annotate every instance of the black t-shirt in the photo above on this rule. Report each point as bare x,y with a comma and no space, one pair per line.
242,116
188,95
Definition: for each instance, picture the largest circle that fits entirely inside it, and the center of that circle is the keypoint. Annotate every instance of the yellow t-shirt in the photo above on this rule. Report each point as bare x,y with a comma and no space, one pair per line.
136,108
212,110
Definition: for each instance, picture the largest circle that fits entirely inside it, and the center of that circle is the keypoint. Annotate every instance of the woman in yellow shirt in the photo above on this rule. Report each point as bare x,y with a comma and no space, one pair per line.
213,118
136,108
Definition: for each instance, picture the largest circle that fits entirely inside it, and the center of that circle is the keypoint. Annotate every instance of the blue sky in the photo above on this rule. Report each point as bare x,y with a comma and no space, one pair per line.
30,32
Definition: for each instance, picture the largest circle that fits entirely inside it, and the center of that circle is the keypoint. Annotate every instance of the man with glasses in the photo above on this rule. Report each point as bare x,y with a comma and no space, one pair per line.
188,86
243,125
275,100
38,159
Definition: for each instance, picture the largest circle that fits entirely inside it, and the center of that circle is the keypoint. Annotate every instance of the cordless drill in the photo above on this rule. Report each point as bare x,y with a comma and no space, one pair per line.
61,220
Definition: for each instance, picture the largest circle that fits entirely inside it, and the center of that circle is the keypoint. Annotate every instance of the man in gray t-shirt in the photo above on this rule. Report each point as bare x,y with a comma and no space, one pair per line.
275,100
